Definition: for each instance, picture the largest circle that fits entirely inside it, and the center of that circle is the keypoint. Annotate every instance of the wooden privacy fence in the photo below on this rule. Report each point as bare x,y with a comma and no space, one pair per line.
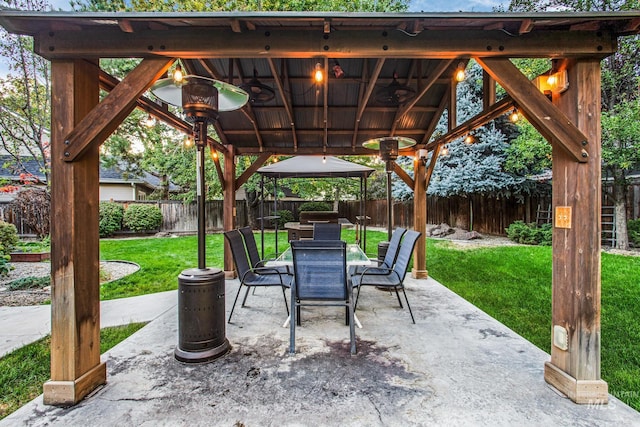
483,214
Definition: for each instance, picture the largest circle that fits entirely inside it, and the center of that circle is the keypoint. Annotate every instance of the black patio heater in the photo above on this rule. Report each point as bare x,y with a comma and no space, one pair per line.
388,149
201,291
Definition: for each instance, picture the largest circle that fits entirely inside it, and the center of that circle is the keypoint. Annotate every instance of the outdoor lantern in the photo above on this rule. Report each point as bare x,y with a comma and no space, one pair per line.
201,291
388,148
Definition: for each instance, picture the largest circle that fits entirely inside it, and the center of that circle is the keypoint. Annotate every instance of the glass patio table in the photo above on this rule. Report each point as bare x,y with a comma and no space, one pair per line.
355,256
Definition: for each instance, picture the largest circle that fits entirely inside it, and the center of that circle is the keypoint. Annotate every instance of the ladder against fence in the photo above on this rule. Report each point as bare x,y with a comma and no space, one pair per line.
608,226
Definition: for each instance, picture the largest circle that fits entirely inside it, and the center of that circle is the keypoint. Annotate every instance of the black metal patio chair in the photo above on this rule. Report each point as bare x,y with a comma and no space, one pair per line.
320,279
253,277
389,257
394,277
326,231
254,256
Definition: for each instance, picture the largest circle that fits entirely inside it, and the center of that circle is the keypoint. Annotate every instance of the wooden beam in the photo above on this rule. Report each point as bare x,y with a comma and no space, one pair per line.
76,369
404,176
248,173
488,90
574,369
541,113
497,109
104,118
160,112
435,154
184,42
419,270
229,206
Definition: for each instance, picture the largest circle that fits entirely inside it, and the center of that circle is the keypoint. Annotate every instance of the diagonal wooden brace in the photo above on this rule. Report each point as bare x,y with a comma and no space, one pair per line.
548,119
105,117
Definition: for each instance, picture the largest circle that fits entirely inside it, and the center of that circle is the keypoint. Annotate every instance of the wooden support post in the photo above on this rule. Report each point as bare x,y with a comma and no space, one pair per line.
419,270
229,207
76,369
574,368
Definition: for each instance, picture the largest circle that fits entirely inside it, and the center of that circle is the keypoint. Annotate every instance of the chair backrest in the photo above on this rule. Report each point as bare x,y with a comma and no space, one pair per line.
320,269
252,247
239,253
326,231
394,247
405,253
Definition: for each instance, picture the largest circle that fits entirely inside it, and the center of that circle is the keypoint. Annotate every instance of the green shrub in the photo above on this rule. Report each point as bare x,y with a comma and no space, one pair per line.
285,217
111,216
8,237
5,266
139,217
633,229
530,234
29,283
315,206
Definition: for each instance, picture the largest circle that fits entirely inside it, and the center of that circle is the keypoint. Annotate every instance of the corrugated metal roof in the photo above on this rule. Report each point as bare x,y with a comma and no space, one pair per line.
284,47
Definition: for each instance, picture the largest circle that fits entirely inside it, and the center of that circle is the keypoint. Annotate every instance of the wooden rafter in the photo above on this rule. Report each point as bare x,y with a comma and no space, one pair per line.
247,109
104,118
365,99
427,84
436,118
286,98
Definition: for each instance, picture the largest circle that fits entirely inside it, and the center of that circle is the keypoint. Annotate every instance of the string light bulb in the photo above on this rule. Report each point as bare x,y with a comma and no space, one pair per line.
149,121
324,159
514,116
460,74
469,139
444,151
318,75
188,142
178,75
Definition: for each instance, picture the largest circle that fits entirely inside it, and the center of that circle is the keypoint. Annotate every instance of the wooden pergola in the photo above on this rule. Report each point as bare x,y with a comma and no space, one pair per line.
375,51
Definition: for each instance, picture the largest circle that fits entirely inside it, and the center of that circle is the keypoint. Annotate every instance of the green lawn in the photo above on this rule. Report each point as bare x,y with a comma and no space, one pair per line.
511,283
23,371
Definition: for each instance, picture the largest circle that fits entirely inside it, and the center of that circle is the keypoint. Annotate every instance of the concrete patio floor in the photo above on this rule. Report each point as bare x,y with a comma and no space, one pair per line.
456,366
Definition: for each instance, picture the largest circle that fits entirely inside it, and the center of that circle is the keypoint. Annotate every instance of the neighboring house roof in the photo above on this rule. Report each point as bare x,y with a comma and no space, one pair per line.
111,175
10,172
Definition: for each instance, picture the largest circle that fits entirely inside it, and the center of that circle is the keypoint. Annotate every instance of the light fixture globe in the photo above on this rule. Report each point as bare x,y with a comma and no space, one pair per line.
229,97
389,146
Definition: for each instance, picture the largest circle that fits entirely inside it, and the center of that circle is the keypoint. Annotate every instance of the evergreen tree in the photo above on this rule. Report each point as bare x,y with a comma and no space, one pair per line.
475,167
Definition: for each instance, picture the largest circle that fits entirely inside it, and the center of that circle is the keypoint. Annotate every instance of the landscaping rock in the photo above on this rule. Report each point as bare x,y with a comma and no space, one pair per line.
440,230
